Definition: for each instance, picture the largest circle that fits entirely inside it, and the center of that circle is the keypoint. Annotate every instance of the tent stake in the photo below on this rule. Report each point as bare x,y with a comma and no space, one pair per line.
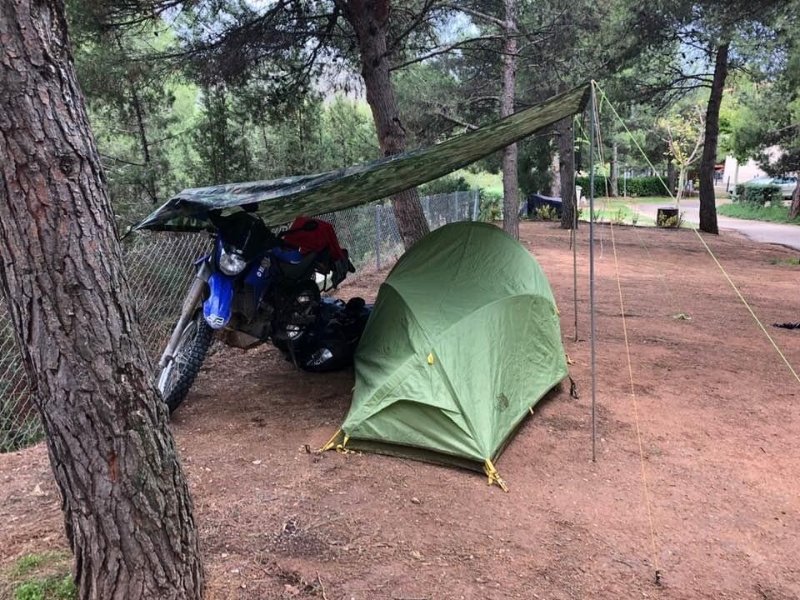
592,109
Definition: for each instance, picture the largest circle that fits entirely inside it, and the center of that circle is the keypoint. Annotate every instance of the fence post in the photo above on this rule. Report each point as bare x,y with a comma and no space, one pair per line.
476,196
378,237
454,203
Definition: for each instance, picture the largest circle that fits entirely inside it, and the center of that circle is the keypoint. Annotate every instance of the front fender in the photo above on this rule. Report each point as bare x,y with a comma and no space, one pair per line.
217,307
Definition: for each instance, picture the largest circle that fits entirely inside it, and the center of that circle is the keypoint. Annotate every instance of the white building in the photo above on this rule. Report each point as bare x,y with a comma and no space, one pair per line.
735,173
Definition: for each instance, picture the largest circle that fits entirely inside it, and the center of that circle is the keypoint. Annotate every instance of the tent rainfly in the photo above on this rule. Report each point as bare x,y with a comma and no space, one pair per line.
463,341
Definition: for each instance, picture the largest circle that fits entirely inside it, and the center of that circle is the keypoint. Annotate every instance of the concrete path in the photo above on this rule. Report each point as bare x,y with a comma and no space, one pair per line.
759,231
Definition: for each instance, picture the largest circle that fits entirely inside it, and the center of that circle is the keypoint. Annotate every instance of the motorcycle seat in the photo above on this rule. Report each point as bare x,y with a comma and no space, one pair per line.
300,269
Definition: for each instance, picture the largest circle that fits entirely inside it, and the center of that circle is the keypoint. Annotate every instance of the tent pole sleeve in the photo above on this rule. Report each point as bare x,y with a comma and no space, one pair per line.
592,110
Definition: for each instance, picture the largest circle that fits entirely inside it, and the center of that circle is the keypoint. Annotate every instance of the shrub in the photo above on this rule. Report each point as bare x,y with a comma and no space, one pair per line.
546,213
444,185
491,206
644,186
674,221
758,194
599,186
635,186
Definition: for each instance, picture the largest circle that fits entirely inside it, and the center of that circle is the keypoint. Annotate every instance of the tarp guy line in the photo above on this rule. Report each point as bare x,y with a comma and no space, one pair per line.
706,246
643,470
661,275
645,486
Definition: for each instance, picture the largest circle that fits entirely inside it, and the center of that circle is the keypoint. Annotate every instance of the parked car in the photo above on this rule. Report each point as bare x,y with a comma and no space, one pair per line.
787,183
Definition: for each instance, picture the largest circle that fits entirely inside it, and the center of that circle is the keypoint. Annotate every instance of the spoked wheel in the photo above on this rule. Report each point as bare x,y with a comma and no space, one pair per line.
178,376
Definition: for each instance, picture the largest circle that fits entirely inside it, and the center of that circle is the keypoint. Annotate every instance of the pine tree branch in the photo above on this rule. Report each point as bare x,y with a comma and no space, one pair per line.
477,14
444,50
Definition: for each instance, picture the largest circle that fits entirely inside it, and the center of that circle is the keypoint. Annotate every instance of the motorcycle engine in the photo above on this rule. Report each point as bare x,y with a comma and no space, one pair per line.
296,307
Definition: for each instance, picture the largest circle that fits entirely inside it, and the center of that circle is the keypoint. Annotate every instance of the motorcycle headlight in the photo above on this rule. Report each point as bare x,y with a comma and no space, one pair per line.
231,263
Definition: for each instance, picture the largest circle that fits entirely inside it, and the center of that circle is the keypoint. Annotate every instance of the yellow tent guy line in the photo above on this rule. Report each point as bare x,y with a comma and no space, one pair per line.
331,443
645,487
747,305
493,476
705,245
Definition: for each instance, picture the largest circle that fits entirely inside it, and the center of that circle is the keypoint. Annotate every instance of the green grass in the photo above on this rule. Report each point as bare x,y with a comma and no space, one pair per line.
773,214
666,200
793,262
491,182
43,576
620,211
52,587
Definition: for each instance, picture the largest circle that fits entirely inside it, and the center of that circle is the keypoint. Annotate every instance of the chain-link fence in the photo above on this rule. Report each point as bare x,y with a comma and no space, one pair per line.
160,268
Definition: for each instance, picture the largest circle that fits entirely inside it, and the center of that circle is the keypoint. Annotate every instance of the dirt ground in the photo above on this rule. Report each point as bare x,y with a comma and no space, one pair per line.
717,409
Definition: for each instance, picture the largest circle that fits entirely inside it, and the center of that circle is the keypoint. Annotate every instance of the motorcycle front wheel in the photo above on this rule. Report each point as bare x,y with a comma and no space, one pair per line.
178,376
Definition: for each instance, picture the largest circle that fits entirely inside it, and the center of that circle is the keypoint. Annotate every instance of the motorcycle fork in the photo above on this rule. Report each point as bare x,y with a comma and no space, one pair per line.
190,304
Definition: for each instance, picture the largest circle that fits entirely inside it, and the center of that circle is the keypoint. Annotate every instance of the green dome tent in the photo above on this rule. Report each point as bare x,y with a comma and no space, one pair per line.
463,341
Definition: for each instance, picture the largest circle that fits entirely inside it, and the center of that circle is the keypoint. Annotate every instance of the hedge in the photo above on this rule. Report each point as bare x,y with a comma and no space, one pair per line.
635,186
758,194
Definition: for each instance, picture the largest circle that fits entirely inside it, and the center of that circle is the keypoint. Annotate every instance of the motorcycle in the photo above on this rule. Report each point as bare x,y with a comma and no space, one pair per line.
255,286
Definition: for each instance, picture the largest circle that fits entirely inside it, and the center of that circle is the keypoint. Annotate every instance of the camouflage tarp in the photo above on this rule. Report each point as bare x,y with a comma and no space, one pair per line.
280,200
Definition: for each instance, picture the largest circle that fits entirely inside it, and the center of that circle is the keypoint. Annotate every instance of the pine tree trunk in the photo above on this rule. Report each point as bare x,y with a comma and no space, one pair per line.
507,97
672,175
149,173
150,176
614,179
369,19
127,510
566,167
555,173
794,208
708,206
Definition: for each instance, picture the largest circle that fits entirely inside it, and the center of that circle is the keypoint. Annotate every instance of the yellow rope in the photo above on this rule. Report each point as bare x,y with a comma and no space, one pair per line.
331,443
705,245
636,412
747,305
633,139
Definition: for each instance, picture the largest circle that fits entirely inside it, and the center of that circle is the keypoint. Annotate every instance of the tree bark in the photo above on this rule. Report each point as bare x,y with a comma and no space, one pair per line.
555,171
672,174
566,167
614,179
369,19
126,505
708,208
150,176
794,208
507,97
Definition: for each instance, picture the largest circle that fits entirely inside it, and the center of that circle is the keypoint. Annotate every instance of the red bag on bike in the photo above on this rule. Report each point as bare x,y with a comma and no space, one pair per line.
318,239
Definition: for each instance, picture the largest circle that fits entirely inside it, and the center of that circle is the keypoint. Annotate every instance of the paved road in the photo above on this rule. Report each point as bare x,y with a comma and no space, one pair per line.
759,231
